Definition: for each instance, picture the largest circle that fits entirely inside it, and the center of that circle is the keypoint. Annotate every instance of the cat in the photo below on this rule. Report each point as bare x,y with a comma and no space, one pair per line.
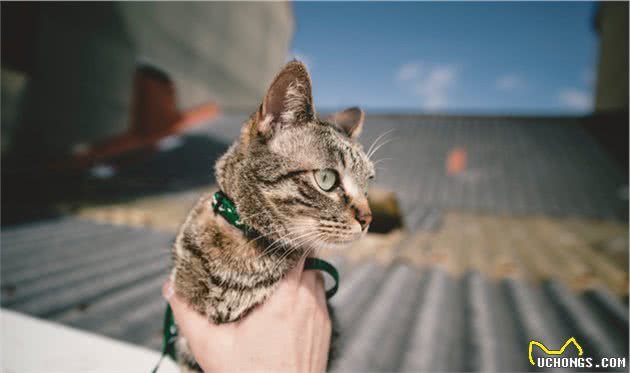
300,184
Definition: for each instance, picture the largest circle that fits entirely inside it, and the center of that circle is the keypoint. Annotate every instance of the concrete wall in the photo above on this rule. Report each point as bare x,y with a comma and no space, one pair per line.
13,85
80,88
612,72
82,58
223,51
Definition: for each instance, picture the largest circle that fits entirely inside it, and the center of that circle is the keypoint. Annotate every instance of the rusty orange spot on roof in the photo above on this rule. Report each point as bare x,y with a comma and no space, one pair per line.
456,161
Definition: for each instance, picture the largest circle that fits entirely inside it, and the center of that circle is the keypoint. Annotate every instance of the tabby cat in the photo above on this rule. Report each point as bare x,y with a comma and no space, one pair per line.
300,184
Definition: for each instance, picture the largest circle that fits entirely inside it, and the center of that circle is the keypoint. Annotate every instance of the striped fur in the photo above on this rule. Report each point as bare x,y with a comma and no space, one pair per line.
269,174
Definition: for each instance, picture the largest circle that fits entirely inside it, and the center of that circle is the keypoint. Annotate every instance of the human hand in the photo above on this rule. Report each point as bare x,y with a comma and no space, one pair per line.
290,332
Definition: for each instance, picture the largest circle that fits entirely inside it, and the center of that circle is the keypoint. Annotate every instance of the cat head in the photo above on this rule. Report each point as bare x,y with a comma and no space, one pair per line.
298,179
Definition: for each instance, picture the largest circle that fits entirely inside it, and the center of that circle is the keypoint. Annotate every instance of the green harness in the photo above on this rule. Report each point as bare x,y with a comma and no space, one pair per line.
223,206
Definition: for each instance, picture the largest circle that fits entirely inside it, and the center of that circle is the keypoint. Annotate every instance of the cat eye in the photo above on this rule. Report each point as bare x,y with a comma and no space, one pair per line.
326,179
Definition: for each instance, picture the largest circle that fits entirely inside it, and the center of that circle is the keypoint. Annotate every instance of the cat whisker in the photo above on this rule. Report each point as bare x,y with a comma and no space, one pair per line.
303,237
270,248
376,140
378,145
273,246
385,142
305,241
278,243
293,241
285,255
317,237
235,251
381,160
306,254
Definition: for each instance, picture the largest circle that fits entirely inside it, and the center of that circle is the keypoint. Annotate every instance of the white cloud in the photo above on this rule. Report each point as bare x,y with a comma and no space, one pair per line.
429,82
509,82
576,99
433,87
408,71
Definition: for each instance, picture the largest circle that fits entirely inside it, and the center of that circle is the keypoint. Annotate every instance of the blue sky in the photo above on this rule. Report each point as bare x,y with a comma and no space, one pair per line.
531,58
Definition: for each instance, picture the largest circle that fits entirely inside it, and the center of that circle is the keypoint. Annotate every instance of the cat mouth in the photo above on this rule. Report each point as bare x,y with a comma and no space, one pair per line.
327,238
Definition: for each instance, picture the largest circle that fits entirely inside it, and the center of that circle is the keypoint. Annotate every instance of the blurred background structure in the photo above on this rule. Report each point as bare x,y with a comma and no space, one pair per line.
514,204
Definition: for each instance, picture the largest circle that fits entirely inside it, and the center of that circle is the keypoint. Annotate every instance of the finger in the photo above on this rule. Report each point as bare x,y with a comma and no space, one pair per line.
285,293
313,278
283,296
298,270
313,282
292,279
320,288
167,290
324,346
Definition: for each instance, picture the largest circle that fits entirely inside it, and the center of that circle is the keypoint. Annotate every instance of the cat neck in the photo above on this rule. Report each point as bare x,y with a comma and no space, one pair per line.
251,248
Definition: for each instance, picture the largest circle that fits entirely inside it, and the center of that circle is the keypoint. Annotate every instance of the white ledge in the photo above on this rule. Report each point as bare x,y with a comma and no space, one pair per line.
31,345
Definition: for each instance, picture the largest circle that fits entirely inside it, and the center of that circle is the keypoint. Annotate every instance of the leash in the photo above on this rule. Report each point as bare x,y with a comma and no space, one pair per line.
223,206
169,339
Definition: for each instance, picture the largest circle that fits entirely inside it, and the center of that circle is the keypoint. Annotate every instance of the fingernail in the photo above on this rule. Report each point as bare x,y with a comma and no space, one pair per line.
167,290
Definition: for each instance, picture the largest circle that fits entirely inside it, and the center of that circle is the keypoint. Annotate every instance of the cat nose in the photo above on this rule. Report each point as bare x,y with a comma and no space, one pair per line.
363,214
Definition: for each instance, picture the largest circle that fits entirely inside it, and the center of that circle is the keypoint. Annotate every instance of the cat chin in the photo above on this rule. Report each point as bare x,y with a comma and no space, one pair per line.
334,245
338,246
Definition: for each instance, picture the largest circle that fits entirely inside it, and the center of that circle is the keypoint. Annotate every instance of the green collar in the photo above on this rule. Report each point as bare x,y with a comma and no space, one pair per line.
223,206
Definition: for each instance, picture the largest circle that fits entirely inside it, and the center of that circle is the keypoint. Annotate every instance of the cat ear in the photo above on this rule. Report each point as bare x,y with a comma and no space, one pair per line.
349,120
289,98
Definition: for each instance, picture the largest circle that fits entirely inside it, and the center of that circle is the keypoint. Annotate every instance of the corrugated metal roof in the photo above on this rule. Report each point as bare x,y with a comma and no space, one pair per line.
393,317
97,277
548,166
433,297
